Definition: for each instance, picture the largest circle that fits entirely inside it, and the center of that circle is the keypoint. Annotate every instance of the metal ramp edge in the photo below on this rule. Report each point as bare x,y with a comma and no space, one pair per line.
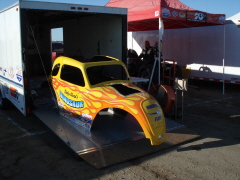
132,149
106,147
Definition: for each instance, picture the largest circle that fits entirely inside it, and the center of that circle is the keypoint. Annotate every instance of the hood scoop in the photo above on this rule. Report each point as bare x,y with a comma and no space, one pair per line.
124,90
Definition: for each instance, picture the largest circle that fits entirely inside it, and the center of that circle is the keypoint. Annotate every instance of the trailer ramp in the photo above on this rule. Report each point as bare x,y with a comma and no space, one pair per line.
113,140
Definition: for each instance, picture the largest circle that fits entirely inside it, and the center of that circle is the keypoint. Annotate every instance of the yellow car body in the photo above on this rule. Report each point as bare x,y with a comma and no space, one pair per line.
82,95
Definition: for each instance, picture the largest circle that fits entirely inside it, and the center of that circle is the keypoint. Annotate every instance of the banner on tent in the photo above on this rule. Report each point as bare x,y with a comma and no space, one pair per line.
196,16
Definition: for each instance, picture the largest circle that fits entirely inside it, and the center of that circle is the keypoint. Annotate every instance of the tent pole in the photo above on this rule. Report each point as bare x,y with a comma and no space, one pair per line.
160,36
158,59
224,46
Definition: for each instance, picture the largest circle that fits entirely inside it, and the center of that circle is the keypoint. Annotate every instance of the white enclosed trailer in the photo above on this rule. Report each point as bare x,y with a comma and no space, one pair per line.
25,42
210,52
26,59
26,62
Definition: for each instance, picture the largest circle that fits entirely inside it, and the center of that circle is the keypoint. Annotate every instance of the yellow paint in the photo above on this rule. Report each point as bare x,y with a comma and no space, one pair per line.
141,105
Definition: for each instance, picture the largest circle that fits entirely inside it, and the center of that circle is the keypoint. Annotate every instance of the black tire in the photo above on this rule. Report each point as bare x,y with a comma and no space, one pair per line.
3,102
161,96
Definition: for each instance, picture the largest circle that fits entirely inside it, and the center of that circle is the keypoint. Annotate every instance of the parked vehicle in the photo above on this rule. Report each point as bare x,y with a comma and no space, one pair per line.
84,89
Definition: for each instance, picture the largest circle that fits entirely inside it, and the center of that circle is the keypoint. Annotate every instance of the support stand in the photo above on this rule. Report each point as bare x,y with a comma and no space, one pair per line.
180,84
153,69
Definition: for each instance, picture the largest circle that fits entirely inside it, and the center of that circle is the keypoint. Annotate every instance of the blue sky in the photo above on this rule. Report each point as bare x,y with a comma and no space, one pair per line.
227,7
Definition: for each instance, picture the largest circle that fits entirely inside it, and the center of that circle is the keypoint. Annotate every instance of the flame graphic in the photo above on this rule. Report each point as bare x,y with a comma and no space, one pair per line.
100,97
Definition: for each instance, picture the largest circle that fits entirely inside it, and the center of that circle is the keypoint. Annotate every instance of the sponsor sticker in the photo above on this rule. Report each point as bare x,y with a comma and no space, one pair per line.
209,18
152,106
70,94
155,113
74,104
222,19
182,15
86,118
196,16
19,73
11,72
75,120
158,118
175,13
4,72
166,12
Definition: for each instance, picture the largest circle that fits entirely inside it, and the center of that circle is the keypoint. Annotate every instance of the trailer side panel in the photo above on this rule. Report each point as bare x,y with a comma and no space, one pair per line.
11,75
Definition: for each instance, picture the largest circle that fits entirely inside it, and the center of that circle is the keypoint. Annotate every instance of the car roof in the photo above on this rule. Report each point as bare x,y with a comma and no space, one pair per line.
95,61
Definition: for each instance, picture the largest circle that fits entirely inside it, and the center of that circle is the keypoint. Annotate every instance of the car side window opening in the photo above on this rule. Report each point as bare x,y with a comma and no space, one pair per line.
55,69
72,74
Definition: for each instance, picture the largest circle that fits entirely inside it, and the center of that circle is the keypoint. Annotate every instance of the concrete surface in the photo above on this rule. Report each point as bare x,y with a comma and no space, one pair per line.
29,151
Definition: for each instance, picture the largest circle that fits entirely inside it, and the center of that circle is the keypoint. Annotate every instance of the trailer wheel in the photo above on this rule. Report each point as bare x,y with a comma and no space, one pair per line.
3,102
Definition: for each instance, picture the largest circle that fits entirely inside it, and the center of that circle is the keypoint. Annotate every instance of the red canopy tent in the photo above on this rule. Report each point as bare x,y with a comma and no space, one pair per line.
144,15
147,15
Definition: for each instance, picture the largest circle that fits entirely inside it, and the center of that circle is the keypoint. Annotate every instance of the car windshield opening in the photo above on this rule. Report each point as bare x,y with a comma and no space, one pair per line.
103,73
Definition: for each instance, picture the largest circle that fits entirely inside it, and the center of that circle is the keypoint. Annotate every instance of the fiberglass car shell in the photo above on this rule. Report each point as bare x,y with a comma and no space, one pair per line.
83,89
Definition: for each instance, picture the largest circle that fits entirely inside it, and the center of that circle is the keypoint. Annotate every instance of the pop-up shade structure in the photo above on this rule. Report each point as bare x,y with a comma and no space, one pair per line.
144,15
147,15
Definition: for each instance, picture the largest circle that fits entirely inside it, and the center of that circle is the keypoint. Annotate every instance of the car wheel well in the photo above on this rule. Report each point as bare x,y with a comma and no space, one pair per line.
112,115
